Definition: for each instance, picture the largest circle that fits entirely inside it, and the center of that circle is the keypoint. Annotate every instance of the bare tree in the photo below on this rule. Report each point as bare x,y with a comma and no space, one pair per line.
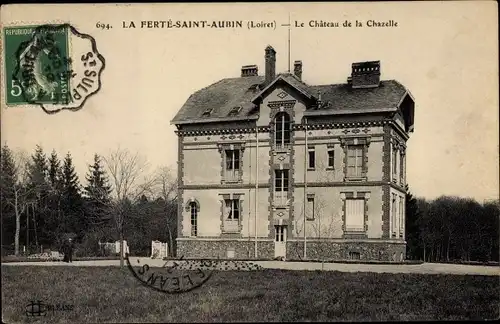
129,179
165,188
20,197
322,220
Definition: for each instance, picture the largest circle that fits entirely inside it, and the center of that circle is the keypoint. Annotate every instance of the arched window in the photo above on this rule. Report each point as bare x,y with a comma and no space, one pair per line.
282,129
194,218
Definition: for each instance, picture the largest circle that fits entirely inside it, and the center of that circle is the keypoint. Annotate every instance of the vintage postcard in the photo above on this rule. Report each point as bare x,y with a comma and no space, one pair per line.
244,162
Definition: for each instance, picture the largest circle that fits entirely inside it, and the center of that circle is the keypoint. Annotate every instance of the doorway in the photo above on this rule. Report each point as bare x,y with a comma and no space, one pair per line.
280,241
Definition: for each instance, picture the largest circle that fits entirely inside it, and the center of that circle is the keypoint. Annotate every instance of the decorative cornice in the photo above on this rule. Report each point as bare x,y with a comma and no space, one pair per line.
286,104
326,184
295,127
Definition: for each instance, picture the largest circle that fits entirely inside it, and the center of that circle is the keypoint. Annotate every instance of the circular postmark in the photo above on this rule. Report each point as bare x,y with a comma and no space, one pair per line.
178,276
56,67
171,278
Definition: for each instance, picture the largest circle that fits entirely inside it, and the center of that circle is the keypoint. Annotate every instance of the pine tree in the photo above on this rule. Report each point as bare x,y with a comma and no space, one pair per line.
413,248
54,171
97,193
71,198
7,184
37,171
54,224
8,169
70,182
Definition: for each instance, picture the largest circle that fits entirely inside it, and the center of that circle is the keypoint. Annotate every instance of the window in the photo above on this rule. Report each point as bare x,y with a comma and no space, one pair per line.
394,216
231,213
355,215
232,158
331,158
355,157
232,170
394,162
282,129
354,160
280,235
402,159
207,112
311,157
401,216
194,218
354,255
234,111
310,207
281,185
232,209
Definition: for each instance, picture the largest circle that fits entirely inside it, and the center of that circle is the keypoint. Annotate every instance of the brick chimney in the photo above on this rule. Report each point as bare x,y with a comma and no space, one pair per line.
365,75
270,64
249,70
297,69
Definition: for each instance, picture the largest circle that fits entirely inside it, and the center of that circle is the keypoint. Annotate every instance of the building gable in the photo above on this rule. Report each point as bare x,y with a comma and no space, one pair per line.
282,96
288,80
406,109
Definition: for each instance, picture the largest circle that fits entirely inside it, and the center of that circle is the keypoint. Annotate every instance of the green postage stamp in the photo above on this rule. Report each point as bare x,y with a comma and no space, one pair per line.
51,66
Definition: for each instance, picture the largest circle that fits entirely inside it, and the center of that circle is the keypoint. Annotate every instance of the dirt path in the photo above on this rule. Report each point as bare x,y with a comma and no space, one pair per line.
428,268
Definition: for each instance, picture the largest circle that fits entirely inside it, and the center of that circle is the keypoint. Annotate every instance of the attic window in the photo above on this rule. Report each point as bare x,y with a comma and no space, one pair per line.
254,87
235,111
208,112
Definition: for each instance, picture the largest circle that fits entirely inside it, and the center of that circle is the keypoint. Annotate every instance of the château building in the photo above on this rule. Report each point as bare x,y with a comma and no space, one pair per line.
272,167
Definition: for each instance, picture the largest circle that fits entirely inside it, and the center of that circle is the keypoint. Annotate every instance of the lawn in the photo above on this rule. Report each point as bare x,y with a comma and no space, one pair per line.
111,294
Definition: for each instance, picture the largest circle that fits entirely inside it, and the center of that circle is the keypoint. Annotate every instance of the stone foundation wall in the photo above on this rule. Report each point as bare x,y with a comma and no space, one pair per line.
210,249
321,250
328,250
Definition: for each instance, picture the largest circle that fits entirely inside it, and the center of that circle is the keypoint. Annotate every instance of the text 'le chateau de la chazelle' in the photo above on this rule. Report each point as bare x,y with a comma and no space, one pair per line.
254,24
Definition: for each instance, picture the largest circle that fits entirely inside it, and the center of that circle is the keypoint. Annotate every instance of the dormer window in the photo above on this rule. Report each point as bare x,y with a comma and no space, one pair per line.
207,112
235,111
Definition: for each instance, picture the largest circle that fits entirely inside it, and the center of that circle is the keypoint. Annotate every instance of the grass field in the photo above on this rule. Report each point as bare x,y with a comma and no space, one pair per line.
109,294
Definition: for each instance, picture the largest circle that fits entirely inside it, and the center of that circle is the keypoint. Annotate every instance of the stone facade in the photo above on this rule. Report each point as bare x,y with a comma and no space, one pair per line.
326,250
347,250
222,249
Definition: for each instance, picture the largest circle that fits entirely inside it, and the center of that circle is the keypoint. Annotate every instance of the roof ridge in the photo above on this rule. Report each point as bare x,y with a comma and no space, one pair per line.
345,83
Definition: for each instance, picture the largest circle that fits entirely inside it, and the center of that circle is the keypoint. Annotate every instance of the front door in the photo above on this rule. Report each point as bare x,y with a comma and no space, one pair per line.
280,241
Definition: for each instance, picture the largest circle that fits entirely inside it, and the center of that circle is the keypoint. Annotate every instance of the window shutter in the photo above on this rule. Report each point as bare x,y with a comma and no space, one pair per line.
355,214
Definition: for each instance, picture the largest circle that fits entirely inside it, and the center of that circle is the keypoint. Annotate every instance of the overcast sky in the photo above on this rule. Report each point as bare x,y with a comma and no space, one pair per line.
445,53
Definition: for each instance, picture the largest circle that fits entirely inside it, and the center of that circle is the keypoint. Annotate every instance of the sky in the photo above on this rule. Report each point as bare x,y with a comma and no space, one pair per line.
444,53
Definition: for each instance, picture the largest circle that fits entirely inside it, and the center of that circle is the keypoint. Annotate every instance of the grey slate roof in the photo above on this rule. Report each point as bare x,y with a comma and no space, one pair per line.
226,94
222,96
338,97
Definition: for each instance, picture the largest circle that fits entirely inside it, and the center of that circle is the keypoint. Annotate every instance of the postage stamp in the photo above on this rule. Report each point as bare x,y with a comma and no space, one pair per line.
52,66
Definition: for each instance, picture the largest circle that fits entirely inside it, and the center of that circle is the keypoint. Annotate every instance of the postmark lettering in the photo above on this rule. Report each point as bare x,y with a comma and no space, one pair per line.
52,66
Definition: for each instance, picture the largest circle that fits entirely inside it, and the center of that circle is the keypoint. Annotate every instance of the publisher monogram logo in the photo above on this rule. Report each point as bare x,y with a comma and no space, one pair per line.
36,308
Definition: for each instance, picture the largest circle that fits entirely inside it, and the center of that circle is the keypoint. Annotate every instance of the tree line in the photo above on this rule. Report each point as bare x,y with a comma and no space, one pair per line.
43,202
451,229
